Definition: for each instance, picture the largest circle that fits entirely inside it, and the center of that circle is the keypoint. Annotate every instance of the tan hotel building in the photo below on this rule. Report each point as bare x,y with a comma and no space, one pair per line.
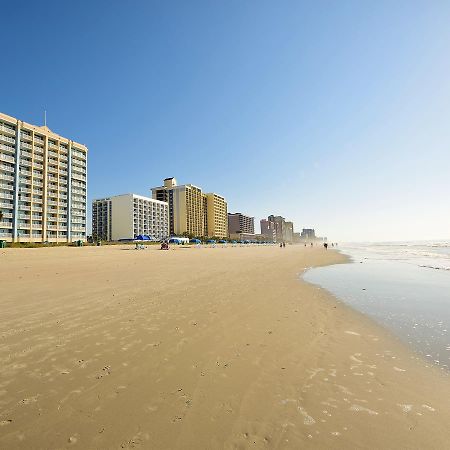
191,211
216,215
42,184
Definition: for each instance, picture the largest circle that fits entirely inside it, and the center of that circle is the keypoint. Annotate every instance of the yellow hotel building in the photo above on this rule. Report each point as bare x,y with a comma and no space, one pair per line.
191,211
43,184
216,215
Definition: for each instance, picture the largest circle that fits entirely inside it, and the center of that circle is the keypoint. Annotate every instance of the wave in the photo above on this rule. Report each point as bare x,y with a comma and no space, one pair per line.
434,267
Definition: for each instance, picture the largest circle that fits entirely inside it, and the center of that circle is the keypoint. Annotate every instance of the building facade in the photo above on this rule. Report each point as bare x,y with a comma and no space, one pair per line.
43,184
284,229
216,216
240,223
129,215
308,234
191,211
289,232
268,230
186,211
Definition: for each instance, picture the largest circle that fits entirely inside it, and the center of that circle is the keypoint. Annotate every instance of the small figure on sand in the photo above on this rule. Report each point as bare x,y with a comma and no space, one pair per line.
284,244
281,245
326,246
164,245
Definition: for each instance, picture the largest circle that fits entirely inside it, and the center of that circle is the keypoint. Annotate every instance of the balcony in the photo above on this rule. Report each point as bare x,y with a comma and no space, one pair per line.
9,187
25,145
7,139
77,176
6,177
26,136
7,158
7,168
6,224
6,205
7,130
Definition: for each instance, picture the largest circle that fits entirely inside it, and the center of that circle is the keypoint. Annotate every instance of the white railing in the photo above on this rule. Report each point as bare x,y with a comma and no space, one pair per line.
7,158
7,139
8,130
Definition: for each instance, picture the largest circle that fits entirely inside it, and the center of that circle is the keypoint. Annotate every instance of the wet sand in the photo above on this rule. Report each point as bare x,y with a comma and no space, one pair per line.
108,347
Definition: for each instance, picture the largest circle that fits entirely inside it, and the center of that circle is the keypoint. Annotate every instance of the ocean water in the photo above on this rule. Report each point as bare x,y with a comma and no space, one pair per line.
404,286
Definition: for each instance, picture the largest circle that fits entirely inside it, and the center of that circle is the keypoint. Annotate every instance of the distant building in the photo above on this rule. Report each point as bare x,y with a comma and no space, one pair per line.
215,213
284,230
240,223
43,184
297,238
129,215
268,229
308,234
289,232
191,211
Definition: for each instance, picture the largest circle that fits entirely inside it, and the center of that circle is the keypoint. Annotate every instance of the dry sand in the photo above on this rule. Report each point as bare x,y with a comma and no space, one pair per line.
108,347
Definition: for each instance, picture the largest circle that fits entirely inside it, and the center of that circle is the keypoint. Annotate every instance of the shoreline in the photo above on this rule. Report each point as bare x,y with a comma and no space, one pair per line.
380,305
202,348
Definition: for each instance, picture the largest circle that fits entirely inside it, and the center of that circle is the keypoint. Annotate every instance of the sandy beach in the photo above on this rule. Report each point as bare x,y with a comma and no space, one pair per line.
112,348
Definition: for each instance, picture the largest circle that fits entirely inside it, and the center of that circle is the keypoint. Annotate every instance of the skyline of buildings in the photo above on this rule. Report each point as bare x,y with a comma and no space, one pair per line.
43,198
43,184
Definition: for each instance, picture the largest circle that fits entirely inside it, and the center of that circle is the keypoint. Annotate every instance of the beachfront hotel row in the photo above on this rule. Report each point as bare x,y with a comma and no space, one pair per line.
43,184
43,198
173,210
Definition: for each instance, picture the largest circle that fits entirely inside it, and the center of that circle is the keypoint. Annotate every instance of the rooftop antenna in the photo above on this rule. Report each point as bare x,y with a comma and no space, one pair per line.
45,117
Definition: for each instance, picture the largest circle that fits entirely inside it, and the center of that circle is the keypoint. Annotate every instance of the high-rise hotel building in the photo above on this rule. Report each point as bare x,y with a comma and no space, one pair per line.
186,212
128,216
216,215
42,184
191,211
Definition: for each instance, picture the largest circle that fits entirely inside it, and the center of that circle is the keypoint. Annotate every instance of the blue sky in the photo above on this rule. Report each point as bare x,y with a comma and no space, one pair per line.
332,114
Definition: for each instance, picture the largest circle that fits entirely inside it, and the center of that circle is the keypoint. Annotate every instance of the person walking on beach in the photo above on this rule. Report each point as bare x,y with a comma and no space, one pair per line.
326,246
284,244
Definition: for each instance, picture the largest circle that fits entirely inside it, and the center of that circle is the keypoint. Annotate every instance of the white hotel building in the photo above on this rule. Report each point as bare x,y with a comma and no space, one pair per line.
42,184
129,215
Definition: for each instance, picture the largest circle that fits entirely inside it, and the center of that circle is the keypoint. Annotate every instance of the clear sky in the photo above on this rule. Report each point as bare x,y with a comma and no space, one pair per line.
335,115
